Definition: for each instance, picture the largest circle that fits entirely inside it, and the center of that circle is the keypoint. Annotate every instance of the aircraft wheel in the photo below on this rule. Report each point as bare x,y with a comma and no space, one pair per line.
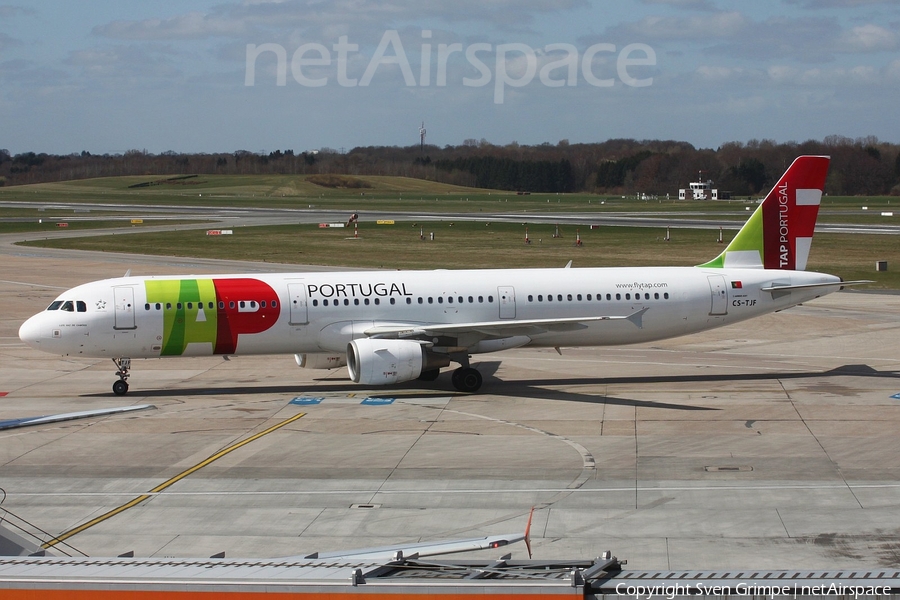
466,379
120,387
429,375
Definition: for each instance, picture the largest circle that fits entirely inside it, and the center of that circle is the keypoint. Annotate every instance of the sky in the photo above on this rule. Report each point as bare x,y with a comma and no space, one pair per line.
108,76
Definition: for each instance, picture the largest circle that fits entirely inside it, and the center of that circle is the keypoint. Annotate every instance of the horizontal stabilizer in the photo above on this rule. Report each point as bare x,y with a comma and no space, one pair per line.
806,286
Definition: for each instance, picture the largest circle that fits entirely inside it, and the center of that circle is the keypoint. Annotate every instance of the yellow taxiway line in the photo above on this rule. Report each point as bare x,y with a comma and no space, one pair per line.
76,530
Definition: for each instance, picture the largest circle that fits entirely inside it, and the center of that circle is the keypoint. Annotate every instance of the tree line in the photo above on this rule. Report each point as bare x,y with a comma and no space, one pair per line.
860,166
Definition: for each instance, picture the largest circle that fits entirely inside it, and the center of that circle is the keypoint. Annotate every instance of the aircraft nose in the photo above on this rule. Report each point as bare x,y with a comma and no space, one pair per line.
30,331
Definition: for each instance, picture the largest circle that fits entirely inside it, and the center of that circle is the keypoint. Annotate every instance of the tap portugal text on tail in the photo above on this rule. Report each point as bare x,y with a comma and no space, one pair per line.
390,327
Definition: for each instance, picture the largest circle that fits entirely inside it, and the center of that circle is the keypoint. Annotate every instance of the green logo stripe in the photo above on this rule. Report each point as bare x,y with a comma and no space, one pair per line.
184,324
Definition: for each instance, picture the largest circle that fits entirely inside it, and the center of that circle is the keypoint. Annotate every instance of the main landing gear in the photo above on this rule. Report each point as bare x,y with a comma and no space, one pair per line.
120,387
466,379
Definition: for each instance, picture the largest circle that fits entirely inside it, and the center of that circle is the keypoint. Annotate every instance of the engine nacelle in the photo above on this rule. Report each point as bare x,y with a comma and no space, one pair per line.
320,360
382,362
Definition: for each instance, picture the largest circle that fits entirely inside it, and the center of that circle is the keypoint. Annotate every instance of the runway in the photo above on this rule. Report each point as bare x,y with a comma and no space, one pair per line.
768,444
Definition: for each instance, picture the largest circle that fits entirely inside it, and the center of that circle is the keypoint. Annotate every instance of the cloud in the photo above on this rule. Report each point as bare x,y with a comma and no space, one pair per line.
8,11
193,25
7,42
331,19
868,38
123,62
684,4
814,4
720,25
801,39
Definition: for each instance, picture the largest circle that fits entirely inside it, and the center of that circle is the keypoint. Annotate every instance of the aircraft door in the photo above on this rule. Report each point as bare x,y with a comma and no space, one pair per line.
719,293
299,310
506,294
124,307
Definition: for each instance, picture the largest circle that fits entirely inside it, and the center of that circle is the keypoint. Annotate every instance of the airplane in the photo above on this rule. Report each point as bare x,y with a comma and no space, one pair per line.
389,327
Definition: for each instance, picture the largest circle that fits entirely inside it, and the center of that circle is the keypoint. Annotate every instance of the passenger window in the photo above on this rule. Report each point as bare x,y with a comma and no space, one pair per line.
530,298
158,306
393,301
356,301
430,300
190,305
241,304
628,296
377,300
231,304
315,302
146,307
460,299
168,306
471,300
490,298
366,301
440,299
666,296
449,299
578,297
589,298
274,304
540,297
646,296
618,296
408,301
325,302
609,296
549,297
569,297
420,299
656,296
263,304
221,305
480,299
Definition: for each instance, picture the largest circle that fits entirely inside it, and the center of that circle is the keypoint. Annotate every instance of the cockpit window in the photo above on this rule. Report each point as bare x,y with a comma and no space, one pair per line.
68,306
81,306
55,305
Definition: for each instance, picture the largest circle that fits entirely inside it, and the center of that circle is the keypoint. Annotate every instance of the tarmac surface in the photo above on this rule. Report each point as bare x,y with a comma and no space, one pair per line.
771,444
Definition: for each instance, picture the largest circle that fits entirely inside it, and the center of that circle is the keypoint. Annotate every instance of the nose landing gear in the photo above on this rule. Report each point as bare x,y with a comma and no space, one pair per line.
120,387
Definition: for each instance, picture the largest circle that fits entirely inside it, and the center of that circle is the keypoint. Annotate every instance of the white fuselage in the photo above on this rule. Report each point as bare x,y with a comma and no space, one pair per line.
146,317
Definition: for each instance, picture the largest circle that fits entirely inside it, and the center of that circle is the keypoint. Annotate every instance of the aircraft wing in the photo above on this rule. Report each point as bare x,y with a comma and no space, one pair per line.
437,548
422,549
498,329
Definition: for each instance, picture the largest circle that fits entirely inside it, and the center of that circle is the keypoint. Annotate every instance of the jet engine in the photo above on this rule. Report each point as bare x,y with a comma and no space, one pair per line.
382,362
320,360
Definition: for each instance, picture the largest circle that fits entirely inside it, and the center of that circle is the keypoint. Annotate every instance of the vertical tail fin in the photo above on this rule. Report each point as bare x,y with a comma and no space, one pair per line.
779,233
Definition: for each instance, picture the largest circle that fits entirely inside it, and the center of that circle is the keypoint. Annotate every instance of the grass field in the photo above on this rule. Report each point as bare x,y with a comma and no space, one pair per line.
389,193
483,245
48,224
